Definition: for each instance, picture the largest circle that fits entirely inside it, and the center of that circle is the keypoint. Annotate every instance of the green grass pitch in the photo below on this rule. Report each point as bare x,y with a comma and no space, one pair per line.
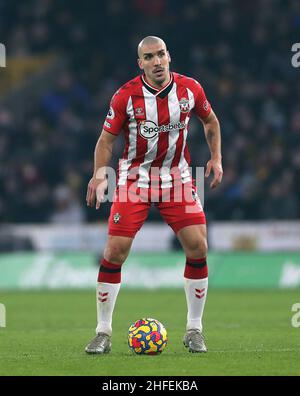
247,333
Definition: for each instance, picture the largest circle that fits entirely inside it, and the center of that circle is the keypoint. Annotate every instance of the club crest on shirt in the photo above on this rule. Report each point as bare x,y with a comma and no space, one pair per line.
117,218
184,105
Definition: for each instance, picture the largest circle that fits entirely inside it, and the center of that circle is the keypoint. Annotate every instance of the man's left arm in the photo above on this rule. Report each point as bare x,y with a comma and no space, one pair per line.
213,138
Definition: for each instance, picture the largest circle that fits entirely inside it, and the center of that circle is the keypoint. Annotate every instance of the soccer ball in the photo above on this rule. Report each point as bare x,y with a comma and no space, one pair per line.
147,337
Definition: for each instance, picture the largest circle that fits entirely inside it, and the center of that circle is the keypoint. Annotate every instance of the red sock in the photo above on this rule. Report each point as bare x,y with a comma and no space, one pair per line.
196,268
109,272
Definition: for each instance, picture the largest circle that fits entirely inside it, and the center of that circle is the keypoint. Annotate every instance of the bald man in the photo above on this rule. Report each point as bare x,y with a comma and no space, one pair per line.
153,111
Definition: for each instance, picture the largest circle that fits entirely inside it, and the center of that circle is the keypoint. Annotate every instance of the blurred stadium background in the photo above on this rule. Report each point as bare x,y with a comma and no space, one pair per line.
64,62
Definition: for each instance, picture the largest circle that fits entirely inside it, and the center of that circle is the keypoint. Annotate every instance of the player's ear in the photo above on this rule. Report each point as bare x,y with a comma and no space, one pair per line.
169,56
140,63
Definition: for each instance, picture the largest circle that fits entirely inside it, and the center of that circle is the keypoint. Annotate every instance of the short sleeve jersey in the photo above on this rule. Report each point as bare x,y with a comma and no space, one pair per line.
155,126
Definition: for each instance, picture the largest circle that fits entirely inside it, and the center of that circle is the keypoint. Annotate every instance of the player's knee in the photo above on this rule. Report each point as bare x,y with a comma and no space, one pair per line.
197,248
116,254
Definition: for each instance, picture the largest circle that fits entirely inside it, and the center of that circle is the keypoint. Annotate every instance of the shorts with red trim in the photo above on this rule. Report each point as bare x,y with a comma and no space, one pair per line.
179,206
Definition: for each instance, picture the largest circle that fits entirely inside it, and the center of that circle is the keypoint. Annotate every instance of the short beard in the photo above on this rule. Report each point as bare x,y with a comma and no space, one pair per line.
160,80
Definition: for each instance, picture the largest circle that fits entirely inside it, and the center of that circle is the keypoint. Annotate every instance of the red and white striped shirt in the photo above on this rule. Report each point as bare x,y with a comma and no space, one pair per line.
155,124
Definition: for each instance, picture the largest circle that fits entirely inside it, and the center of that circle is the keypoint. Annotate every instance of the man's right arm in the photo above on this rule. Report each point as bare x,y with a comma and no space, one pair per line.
103,152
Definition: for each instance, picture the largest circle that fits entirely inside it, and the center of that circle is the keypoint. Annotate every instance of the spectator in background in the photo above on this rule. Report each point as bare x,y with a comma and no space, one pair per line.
67,207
